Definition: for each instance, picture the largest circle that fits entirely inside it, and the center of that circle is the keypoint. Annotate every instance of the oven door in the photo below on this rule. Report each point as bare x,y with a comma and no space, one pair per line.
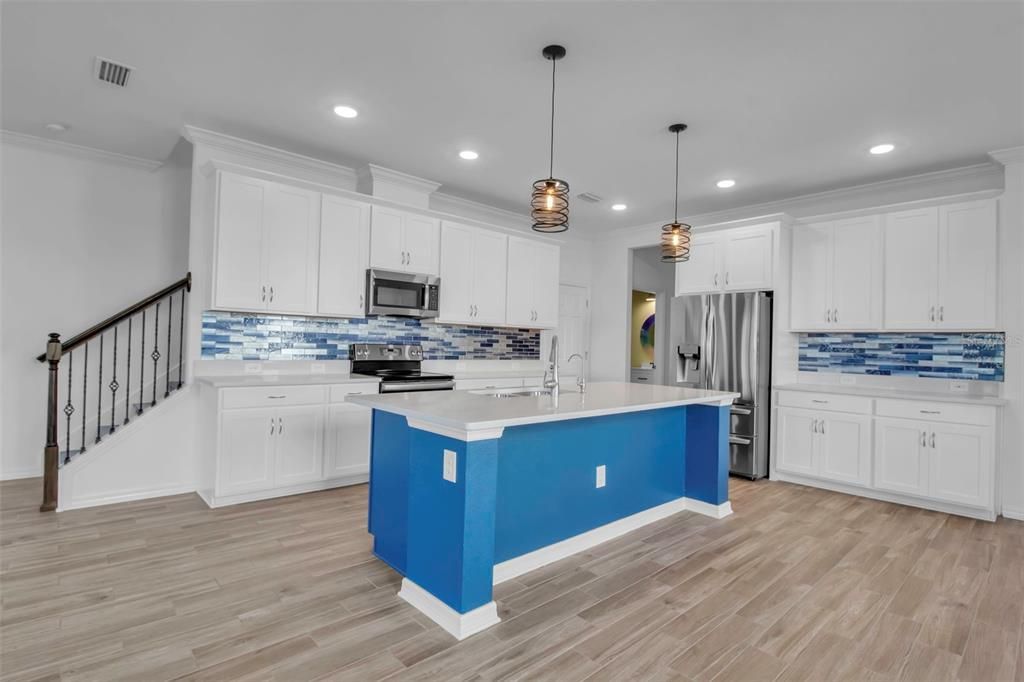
402,293
412,386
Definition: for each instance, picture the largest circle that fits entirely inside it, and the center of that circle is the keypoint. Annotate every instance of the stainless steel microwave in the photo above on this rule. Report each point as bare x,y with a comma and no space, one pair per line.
402,293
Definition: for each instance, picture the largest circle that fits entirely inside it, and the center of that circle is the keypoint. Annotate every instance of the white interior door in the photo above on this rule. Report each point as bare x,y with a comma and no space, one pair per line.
961,464
857,274
967,266
573,328
796,441
845,448
911,268
700,274
811,277
299,456
489,271
246,461
387,241
457,272
901,464
344,254
290,244
422,244
347,448
238,266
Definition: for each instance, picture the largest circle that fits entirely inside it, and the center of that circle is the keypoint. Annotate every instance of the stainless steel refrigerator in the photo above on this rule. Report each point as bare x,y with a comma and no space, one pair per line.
723,342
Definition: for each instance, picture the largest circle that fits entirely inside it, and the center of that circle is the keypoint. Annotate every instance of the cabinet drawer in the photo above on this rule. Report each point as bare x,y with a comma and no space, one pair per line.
825,401
479,384
270,396
339,391
940,412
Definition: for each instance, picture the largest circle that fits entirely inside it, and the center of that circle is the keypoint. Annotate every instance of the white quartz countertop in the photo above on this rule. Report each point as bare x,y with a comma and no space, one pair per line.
897,394
468,411
284,379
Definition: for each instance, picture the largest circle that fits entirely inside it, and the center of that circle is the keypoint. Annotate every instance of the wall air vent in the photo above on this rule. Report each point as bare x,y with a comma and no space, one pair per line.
589,198
112,72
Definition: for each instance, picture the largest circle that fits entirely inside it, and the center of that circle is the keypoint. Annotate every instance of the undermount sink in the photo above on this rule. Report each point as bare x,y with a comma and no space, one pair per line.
523,393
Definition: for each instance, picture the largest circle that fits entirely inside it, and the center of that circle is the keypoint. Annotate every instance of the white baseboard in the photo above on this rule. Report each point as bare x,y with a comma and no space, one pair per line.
458,625
1017,514
531,561
313,486
24,473
85,503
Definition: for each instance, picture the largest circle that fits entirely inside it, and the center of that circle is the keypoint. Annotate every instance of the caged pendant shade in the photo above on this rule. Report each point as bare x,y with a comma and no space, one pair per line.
549,204
675,236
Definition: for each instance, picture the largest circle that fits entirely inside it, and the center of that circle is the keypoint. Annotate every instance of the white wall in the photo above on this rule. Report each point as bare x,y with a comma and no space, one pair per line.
84,235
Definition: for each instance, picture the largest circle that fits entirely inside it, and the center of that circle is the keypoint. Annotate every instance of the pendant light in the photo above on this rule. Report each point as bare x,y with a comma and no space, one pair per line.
675,236
549,205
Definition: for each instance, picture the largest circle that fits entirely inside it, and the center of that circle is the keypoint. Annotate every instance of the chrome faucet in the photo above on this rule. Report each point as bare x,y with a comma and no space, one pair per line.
552,383
581,382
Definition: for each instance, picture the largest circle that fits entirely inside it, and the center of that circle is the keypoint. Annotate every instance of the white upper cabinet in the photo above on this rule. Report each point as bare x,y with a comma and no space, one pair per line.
404,242
731,260
344,252
836,276
473,275
940,267
266,240
532,295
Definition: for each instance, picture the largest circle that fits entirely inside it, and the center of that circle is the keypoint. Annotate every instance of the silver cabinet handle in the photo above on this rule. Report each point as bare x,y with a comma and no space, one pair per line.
821,427
924,439
263,293
820,402
933,439
280,425
931,412
276,397
271,294
726,279
408,257
942,313
271,426
814,426
716,279
931,314
360,301
828,315
835,314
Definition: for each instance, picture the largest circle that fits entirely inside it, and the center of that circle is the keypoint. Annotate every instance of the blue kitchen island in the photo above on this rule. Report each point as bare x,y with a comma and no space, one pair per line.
471,488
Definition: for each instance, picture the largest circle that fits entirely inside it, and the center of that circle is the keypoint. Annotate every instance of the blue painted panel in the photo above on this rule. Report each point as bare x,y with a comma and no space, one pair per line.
451,525
389,488
707,453
546,475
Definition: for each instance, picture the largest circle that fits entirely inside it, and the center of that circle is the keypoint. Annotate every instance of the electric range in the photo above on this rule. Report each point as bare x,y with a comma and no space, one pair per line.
398,368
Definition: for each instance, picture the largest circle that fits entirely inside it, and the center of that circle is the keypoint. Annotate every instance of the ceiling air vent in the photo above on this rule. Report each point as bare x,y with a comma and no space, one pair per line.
112,72
589,198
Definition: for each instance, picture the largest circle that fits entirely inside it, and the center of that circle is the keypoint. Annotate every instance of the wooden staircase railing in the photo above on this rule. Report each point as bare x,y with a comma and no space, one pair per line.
56,352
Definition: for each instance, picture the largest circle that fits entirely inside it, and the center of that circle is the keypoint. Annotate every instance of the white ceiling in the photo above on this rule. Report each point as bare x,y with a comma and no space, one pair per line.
784,97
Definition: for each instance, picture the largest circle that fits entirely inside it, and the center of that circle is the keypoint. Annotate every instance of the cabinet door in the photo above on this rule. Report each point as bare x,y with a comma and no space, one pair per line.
422,244
967,266
844,452
857,274
519,310
344,254
796,443
700,275
387,241
545,287
911,268
457,273
810,298
290,243
960,464
238,258
901,464
747,259
300,445
489,265
246,452
347,450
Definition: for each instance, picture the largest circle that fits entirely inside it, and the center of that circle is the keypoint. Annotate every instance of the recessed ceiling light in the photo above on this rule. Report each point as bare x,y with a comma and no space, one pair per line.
882,148
618,207
58,127
725,184
468,155
345,111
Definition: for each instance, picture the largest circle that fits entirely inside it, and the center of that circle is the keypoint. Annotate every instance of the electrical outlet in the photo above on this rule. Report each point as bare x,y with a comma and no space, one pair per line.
600,477
847,379
449,466
958,386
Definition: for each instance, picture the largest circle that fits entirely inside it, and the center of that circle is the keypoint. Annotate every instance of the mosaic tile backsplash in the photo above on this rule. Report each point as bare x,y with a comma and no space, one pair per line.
248,336
935,355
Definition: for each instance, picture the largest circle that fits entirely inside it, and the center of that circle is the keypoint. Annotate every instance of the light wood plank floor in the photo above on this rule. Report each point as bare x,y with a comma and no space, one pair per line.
798,584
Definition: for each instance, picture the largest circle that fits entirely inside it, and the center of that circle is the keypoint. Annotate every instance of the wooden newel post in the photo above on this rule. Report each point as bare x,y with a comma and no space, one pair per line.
52,450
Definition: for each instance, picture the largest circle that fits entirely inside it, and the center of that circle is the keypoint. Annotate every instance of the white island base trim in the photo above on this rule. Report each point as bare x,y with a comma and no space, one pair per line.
531,561
458,625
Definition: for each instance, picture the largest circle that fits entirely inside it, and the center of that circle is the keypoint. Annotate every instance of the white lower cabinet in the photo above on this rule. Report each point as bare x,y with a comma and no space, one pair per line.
282,440
918,453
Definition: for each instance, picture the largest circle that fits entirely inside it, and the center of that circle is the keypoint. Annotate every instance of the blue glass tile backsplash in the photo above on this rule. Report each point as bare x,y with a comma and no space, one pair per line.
936,355
249,336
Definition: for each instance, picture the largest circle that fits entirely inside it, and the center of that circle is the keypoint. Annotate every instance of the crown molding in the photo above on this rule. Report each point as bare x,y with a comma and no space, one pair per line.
1008,155
977,180
379,173
284,162
449,203
76,150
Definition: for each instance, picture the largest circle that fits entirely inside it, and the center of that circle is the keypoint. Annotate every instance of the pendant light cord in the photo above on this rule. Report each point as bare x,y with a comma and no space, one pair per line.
675,213
551,150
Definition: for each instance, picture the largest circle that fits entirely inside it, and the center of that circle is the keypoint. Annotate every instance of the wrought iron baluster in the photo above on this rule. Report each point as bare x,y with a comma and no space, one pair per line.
113,388
167,364
69,410
181,336
156,351
142,361
85,389
99,392
128,374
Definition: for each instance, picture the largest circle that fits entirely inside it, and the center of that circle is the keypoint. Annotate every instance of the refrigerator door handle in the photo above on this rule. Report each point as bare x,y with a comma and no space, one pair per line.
739,440
740,410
